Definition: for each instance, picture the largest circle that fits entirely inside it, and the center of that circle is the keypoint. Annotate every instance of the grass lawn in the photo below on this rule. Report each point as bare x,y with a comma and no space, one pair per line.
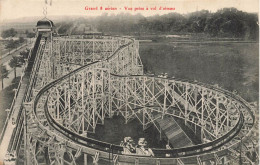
233,66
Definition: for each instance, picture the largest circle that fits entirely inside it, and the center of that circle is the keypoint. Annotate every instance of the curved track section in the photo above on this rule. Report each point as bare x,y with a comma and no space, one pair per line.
82,81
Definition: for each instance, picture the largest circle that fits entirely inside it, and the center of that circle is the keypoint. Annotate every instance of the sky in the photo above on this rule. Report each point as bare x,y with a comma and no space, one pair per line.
13,9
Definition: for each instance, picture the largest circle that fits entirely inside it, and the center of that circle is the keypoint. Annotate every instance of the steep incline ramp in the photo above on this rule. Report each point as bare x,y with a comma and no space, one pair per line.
176,136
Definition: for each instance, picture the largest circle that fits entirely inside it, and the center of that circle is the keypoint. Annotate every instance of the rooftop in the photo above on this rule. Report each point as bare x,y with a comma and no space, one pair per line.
45,23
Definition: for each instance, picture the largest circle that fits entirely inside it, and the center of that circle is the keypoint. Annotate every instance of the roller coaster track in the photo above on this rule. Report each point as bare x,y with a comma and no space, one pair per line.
73,93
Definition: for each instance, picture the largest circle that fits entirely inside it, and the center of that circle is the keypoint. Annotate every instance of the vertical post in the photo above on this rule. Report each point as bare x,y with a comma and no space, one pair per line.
102,96
65,54
196,102
144,118
173,93
104,50
68,97
126,98
82,53
240,153
25,138
73,52
202,115
58,105
59,51
93,48
144,104
165,96
186,102
53,58
85,159
132,63
228,121
153,84
217,116
117,63
160,133
109,96
195,97
135,96
93,98
27,160
136,161
112,45
82,99
123,60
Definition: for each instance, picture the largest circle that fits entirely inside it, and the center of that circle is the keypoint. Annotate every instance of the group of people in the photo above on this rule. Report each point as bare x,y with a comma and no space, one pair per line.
140,149
10,158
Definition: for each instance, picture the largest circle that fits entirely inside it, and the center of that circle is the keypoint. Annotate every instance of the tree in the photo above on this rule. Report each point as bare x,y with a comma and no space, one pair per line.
4,74
65,27
16,43
14,62
25,53
11,44
21,39
9,33
30,35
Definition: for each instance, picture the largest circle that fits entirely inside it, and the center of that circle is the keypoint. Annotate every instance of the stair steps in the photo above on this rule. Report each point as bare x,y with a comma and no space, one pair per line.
176,136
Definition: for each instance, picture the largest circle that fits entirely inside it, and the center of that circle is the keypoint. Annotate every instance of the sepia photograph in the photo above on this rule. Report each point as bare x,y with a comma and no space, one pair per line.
129,82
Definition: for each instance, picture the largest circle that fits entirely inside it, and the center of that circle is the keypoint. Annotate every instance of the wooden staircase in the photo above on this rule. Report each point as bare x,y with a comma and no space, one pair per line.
176,136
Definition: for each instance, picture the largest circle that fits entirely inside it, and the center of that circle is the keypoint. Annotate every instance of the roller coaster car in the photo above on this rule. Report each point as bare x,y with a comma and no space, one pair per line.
128,146
141,150
129,149
144,152
168,147
138,151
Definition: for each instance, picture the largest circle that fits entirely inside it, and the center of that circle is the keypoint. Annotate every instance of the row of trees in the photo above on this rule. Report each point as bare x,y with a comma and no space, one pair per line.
13,33
13,44
29,34
227,22
16,61
9,33
4,74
